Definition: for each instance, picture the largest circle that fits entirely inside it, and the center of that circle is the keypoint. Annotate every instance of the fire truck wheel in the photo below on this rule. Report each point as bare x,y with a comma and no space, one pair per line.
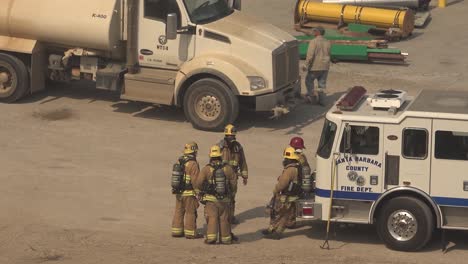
405,224
210,105
14,78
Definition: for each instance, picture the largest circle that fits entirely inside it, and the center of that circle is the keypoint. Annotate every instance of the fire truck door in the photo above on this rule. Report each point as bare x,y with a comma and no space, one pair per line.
406,155
449,181
360,165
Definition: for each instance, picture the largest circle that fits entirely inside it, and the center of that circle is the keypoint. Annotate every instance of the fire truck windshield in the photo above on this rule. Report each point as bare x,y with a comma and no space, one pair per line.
326,140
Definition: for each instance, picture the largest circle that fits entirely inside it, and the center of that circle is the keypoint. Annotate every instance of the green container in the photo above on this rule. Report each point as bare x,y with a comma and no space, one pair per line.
343,52
386,51
303,50
359,28
348,52
331,34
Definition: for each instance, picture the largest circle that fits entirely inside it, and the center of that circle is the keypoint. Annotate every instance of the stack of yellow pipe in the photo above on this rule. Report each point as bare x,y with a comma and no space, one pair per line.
335,13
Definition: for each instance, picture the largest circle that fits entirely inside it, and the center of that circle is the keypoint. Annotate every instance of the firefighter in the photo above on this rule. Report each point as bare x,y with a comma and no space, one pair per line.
285,193
185,172
298,144
217,183
233,154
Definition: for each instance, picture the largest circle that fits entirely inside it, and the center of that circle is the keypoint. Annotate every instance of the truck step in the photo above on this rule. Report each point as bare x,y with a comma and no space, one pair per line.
153,76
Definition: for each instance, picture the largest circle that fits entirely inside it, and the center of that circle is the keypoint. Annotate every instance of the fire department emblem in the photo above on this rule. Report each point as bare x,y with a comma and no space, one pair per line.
352,176
361,181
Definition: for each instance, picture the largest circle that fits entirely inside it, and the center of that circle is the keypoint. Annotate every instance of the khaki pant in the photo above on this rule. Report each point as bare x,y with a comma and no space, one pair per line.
217,215
284,211
186,206
232,208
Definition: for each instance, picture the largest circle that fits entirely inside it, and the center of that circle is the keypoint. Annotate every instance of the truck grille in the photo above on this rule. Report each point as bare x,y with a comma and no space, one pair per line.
286,64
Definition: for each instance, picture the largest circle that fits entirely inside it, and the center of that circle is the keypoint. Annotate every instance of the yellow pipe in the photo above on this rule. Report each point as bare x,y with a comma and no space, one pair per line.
335,13
442,3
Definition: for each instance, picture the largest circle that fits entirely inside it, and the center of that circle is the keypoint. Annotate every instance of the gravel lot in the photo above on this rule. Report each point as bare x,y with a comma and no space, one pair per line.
84,176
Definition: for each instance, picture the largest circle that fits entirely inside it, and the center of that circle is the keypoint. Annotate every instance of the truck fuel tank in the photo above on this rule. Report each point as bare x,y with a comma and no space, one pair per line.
85,23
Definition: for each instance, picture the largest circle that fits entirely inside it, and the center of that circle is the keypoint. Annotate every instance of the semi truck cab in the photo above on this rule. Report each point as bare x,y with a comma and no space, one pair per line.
205,56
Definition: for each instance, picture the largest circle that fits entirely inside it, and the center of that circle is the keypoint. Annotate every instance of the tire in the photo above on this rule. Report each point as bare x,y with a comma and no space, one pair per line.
415,218
14,79
210,105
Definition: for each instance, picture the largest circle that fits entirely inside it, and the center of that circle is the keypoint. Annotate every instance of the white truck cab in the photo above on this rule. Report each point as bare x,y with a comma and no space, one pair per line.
396,161
203,55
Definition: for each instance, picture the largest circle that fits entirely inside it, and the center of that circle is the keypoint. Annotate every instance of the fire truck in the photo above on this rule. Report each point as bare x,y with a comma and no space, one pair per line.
396,161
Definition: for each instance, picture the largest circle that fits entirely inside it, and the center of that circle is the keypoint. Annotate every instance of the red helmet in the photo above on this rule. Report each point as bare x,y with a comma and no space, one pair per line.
297,143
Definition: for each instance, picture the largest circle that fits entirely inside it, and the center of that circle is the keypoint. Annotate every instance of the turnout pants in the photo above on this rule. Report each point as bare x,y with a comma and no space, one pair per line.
292,217
232,208
284,212
217,218
186,206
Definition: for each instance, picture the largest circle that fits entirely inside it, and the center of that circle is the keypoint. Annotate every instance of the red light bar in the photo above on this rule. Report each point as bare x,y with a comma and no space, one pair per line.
352,98
309,211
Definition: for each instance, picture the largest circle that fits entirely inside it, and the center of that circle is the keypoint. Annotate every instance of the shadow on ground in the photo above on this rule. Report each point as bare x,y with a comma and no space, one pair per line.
75,90
293,123
343,235
257,212
451,3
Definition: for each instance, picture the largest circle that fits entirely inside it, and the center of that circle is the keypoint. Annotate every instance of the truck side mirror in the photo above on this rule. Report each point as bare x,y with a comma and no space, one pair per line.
235,4
171,26
347,139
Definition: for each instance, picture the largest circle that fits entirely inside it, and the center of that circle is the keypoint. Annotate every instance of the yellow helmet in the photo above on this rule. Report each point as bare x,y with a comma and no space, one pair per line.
190,148
290,153
215,152
230,130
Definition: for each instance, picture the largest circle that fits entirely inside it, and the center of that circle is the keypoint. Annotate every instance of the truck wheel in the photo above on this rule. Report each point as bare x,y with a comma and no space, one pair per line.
14,78
210,105
405,224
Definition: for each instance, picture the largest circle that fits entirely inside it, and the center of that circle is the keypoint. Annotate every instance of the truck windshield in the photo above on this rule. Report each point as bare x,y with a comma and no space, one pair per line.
206,11
326,140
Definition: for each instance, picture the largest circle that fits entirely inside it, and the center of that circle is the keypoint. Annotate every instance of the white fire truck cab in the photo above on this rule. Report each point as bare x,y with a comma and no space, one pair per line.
395,161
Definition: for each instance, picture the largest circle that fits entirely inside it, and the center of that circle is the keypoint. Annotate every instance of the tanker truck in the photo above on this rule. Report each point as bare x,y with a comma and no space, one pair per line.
204,56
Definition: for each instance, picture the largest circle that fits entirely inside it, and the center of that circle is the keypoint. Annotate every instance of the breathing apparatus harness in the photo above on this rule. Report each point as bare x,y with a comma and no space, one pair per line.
179,181
217,185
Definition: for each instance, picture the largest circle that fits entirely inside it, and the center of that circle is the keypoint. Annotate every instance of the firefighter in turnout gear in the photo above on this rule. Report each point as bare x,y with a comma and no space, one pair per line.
285,193
184,174
217,183
298,144
233,154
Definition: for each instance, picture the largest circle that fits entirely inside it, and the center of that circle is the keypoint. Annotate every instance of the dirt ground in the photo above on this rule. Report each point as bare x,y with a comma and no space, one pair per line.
84,176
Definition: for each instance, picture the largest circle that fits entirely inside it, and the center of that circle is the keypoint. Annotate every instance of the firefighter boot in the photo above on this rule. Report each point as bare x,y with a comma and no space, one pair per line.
210,242
196,236
177,235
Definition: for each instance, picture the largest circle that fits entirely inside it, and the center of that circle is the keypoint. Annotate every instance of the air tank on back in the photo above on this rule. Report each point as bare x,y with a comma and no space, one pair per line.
94,24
